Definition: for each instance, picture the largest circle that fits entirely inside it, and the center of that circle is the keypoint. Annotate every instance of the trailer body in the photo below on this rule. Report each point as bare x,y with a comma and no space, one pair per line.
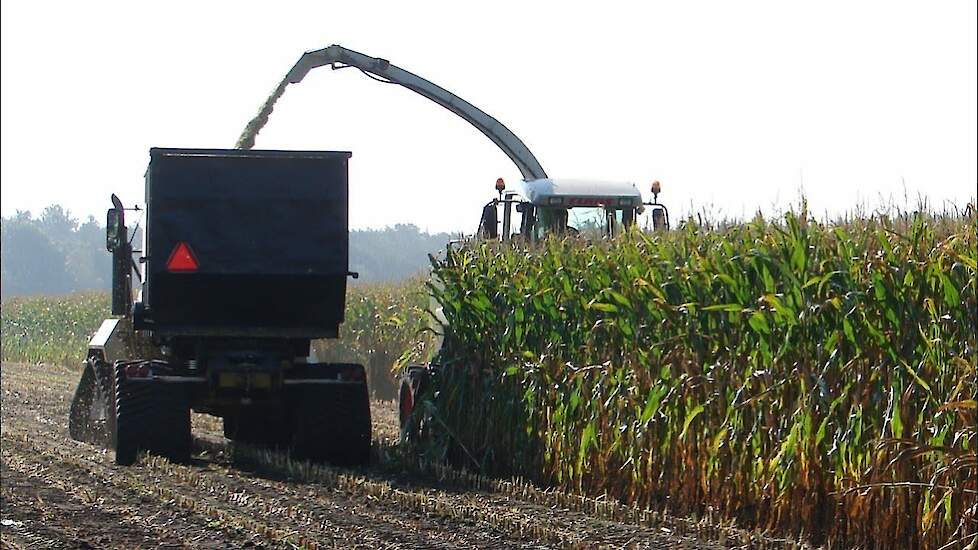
270,234
244,261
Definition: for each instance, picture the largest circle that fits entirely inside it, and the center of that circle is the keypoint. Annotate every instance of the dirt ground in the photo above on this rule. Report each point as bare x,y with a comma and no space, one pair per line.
60,493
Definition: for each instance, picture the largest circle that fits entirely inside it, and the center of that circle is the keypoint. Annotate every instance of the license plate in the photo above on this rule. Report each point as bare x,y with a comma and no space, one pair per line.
258,380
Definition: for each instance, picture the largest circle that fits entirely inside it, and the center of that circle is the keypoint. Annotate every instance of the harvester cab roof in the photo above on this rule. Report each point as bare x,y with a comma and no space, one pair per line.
586,208
575,192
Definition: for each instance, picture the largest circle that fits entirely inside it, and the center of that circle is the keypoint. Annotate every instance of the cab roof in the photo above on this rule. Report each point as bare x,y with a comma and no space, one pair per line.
586,192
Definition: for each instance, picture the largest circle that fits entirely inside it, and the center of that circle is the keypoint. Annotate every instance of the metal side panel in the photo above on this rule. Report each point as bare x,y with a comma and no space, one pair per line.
111,339
103,334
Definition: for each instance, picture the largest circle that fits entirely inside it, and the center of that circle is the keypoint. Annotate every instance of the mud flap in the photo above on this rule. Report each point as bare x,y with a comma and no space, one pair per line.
80,414
92,414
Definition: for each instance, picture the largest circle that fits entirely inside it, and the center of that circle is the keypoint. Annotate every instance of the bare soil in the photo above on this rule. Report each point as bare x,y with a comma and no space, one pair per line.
60,493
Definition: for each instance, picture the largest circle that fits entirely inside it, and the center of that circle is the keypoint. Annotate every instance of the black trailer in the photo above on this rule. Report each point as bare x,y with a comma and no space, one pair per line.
245,260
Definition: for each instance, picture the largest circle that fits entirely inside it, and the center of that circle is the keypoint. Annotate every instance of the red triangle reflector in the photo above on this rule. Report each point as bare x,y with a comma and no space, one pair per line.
182,259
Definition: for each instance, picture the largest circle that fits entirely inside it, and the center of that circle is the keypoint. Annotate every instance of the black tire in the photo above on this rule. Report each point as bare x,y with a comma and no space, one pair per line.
150,417
332,423
132,411
103,426
231,423
405,403
173,438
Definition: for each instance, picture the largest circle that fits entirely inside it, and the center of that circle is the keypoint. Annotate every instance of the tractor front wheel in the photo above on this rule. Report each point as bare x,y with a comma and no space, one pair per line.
413,388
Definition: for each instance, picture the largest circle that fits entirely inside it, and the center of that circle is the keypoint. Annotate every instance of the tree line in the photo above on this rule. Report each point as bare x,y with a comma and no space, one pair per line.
56,253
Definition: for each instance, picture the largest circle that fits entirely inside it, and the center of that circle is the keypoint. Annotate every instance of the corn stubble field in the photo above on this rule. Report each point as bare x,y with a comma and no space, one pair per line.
750,384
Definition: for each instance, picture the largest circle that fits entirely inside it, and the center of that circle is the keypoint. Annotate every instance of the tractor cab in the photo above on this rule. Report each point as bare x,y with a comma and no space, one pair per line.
582,208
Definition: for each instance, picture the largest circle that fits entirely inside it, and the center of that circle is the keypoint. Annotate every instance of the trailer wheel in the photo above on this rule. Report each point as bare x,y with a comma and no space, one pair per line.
173,438
150,417
354,437
332,423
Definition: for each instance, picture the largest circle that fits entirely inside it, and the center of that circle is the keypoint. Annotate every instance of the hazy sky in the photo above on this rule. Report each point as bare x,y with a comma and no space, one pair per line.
734,106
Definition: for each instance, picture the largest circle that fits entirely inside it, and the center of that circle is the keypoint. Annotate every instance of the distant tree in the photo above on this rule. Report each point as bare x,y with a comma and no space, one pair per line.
52,254
393,253
29,262
58,226
87,258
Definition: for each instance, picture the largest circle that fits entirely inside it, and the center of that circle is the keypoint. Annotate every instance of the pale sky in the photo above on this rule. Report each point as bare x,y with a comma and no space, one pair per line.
733,106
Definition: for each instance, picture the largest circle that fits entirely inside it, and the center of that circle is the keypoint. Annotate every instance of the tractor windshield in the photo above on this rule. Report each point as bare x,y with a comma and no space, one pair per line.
590,222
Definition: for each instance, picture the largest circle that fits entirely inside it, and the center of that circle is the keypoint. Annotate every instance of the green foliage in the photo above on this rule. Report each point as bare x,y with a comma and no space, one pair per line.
383,323
817,379
51,329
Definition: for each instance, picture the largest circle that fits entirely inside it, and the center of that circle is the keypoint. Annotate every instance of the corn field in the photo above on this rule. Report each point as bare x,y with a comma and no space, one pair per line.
51,329
383,322
808,378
